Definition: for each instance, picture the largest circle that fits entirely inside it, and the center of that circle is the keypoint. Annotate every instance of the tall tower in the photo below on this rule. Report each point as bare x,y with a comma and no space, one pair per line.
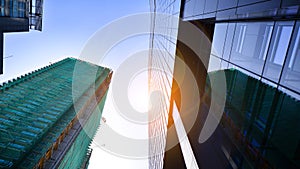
49,116
253,45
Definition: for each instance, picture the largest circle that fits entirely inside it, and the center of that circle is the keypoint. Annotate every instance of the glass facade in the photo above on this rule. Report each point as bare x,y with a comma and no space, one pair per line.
19,16
35,14
265,50
290,76
26,9
256,45
258,128
237,9
161,61
14,8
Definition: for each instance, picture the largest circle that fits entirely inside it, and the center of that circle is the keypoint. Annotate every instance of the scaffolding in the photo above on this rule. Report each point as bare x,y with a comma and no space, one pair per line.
36,108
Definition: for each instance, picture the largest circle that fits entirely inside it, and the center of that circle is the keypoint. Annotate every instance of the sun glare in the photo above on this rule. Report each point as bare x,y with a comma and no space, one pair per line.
138,92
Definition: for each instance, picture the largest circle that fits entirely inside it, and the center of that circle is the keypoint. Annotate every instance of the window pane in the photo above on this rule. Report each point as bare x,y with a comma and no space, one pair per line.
228,41
219,39
278,48
250,43
15,8
199,7
188,8
289,92
291,72
214,63
210,6
224,64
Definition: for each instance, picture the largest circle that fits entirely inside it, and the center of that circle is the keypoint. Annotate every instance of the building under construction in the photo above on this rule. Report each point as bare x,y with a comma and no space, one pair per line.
46,120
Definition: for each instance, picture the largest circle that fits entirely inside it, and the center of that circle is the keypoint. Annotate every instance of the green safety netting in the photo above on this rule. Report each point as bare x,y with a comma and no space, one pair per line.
267,118
35,108
78,152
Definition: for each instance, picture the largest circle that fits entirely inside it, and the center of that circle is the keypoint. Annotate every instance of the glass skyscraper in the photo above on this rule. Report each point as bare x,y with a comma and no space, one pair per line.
254,44
161,58
19,16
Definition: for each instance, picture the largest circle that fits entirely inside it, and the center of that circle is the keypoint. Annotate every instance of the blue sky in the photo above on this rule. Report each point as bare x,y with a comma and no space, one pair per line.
67,26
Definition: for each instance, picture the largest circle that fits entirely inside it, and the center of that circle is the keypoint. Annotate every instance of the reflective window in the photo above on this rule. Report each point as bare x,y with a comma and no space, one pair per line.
214,63
162,57
269,82
228,40
199,7
224,65
2,7
10,8
231,66
247,2
188,8
219,39
210,6
13,8
22,9
278,49
291,73
250,43
225,4
289,92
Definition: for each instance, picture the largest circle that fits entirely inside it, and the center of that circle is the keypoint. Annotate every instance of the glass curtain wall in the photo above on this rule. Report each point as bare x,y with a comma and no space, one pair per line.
13,8
161,63
268,51
263,94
